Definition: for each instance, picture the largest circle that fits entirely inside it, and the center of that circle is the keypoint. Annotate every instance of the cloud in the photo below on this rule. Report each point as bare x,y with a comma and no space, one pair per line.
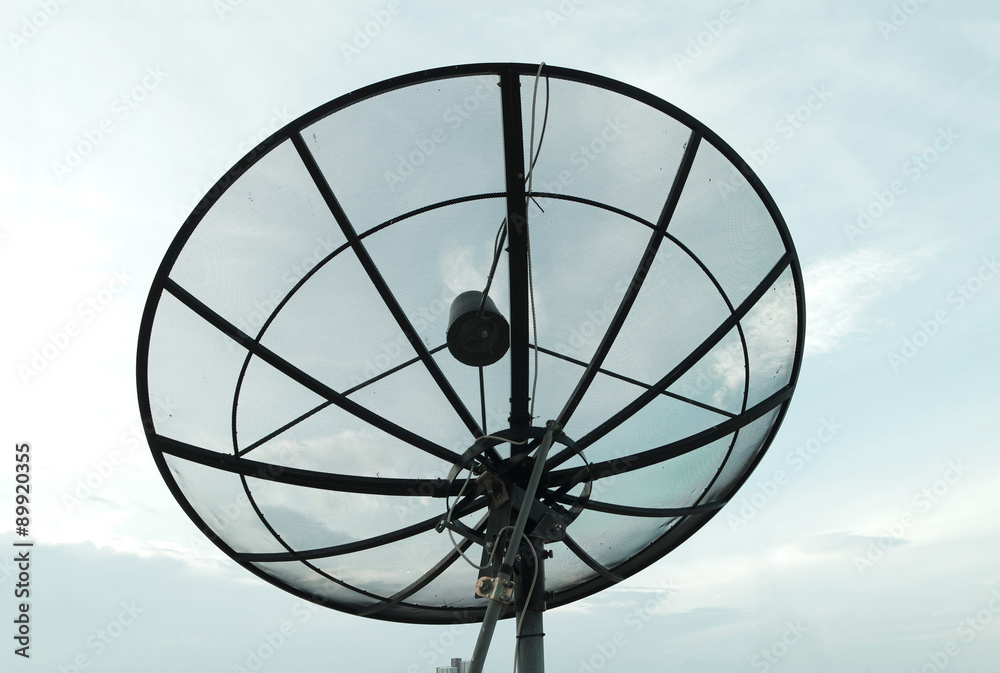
842,291
841,543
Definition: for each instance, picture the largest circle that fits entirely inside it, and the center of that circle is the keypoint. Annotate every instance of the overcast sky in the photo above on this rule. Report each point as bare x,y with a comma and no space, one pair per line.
867,539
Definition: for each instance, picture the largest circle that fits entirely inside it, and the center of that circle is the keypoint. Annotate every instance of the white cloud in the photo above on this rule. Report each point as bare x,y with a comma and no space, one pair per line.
841,292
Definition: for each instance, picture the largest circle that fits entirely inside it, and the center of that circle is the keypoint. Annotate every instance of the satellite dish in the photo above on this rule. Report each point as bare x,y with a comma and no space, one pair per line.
471,343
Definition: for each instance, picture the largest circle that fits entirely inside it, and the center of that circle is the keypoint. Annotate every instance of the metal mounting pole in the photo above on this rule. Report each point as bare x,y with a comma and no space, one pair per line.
507,567
530,637
517,248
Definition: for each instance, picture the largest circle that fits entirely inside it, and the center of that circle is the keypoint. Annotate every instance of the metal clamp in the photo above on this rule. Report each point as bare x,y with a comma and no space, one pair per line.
495,588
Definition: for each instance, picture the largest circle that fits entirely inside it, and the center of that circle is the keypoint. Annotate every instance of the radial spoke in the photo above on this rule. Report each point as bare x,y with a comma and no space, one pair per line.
468,505
599,470
432,488
381,286
591,562
632,291
626,510
427,577
697,354
296,374
640,384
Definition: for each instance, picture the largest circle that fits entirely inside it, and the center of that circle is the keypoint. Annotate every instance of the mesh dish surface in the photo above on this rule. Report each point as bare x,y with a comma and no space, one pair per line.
296,330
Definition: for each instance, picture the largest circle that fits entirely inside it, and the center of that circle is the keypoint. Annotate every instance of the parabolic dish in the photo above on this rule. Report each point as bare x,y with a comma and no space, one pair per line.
296,332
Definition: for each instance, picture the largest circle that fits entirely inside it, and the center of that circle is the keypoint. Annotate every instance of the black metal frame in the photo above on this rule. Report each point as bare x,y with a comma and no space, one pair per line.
517,251
633,288
555,482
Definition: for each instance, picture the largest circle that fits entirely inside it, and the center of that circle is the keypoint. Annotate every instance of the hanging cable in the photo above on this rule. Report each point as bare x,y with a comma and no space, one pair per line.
504,439
533,154
497,251
482,394
533,158
534,333
451,513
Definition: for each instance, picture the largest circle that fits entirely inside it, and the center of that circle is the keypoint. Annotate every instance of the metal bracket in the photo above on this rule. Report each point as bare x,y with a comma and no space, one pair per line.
546,522
494,487
461,529
495,588
552,527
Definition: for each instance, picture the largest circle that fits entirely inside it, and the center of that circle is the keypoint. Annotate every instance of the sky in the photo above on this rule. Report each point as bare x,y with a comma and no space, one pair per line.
864,541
